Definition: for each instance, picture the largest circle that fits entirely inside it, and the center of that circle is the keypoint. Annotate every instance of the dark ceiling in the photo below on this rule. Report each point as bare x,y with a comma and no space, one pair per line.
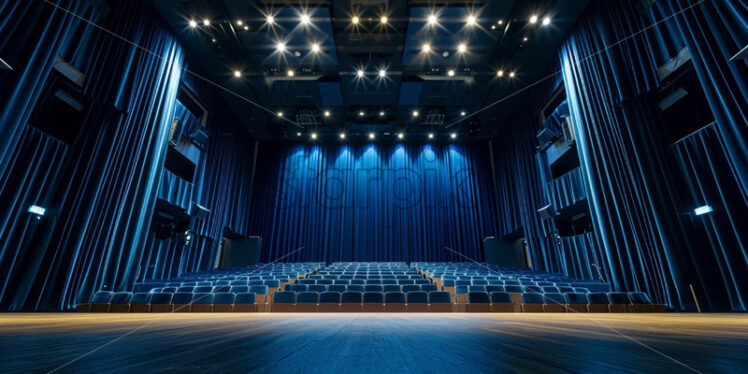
239,38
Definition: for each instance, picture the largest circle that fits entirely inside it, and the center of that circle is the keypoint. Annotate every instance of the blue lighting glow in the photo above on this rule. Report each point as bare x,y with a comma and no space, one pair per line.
703,210
37,210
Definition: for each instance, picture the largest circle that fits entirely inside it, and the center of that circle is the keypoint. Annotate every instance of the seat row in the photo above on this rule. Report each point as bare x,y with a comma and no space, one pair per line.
361,287
364,281
615,302
141,302
364,276
415,301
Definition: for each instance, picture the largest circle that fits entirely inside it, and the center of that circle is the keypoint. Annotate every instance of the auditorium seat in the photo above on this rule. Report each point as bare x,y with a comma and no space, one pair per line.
372,302
351,302
598,302
392,288
550,289
565,289
356,288
202,289
296,287
476,288
188,289
418,301
576,302
373,288
555,302
501,302
461,293
161,303
513,289
284,301
120,302
337,288
428,287
181,301
141,302
217,289
478,302
170,289
619,302
238,289
260,292
306,302
532,302
203,302
394,302
99,303
329,302
533,289
440,301
412,287
358,281
244,302
317,288
494,288
306,281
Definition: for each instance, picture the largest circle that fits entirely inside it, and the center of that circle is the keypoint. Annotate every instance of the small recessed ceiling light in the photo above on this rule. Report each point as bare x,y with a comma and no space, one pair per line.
298,134
304,19
206,22
445,54
213,40
290,73
400,135
354,20
280,47
432,19
297,53
431,135
426,47
237,73
383,19
361,114
471,20
533,19
415,113
239,22
315,47
511,75
546,21
280,114
270,20
381,114
313,135
453,135
327,113
493,27
193,23
461,48
360,73
451,73
372,135
382,73
342,135
462,114
524,39
246,27
500,22
500,73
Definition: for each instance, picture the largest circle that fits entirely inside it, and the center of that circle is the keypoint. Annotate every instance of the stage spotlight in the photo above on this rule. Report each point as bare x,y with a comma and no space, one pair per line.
400,135
500,22
431,135
451,73
471,20
432,20
315,47
290,73
493,27
533,19
304,19
524,39
463,114
342,135
361,113
500,73
193,23
280,114
360,73
426,47
237,73
511,75
298,134
206,22
313,135
239,22
415,113
453,135
270,20
546,21
327,113
280,47
462,48
383,20
381,114
372,135
246,27
354,20
382,73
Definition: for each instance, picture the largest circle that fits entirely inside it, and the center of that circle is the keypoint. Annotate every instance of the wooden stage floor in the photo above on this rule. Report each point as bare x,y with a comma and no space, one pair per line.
374,343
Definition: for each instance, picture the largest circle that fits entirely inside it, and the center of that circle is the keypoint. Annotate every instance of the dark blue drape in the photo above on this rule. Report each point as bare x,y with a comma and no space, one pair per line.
373,202
100,190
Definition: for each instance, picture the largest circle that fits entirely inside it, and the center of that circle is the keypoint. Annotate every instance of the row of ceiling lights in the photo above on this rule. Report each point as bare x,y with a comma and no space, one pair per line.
372,136
327,113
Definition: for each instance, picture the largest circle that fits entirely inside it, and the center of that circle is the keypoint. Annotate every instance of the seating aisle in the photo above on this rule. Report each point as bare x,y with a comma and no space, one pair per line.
371,287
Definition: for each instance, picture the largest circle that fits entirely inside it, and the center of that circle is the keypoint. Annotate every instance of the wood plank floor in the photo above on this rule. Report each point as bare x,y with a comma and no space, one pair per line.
374,343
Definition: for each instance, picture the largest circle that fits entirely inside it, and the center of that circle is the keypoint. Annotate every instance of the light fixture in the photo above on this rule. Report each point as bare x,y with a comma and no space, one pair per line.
500,22
206,22
280,47
372,135
493,27
327,113
361,113
237,73
290,73
546,21
360,73
35,209
213,40
270,20
381,114
451,73
533,19
313,135
193,23
297,53
445,54
704,209
298,134
463,114
426,47
354,20
304,19
382,73
431,135
400,135
453,135
280,114
524,39
471,20
511,75
315,47
246,27
500,73
432,19
342,135
383,19
462,48
415,113
239,22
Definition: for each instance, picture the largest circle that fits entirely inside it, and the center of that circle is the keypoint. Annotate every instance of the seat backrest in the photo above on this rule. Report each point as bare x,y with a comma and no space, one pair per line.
555,298
272,283
565,289
500,297
533,289
598,298
189,289
373,297
161,298
494,288
463,282
141,298
306,281
480,288
639,298
202,289
182,298
337,288
532,298
244,298
480,282
358,281
575,298
316,288
284,297
448,282
121,298
324,281
439,297
418,297
478,297
550,289
395,297
350,297
219,288
329,297
239,289
307,298
619,298
341,281
260,290
581,289
296,287
170,289
392,288
101,297
373,288
427,287
513,288
356,288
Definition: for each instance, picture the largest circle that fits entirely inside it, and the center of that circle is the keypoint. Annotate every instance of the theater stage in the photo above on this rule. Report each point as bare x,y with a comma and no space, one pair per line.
374,343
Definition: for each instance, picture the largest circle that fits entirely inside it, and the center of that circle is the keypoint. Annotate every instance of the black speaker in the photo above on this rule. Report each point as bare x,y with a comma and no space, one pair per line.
240,252
505,252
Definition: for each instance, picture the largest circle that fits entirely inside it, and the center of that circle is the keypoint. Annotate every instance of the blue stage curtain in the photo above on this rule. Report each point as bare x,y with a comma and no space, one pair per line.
373,202
99,191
